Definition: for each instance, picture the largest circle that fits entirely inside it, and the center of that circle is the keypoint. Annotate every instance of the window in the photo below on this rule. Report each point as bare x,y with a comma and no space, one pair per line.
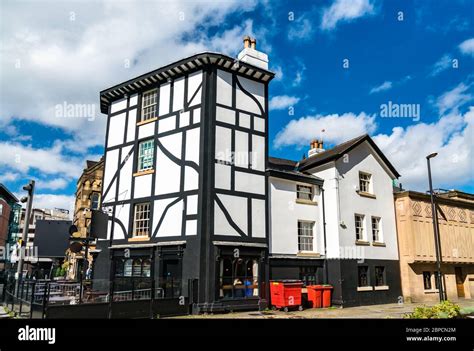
359,227
304,192
138,267
145,155
305,236
238,277
379,276
308,275
427,280
364,182
376,235
95,201
141,219
1,209
149,105
127,268
363,274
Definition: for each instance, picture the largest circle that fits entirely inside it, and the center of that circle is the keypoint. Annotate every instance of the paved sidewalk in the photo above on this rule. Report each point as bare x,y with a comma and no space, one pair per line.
363,312
3,313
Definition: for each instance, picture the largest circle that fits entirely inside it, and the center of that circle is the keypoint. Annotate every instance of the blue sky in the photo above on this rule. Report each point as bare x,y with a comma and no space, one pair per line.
337,62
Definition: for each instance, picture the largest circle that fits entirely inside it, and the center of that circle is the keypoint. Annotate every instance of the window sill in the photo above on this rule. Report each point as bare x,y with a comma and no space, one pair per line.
145,172
308,254
139,238
432,291
364,194
147,121
382,287
362,243
365,288
376,243
306,202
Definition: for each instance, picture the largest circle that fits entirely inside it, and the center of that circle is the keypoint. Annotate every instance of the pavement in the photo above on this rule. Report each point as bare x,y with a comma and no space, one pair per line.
360,312
3,313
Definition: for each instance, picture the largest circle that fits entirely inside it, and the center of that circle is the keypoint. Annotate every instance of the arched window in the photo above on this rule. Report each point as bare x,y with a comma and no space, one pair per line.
146,270
95,197
137,267
127,268
119,265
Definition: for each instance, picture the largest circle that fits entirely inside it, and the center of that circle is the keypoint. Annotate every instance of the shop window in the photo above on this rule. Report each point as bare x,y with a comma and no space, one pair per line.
380,276
363,275
127,268
238,277
308,275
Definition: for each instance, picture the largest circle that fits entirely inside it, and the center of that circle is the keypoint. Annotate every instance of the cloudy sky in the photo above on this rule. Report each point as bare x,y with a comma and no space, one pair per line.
337,64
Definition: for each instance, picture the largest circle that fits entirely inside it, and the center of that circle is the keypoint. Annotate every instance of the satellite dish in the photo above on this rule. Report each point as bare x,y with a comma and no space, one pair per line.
75,247
72,229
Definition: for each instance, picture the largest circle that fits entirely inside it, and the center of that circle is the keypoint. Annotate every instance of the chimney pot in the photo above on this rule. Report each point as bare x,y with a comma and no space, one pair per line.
253,43
246,41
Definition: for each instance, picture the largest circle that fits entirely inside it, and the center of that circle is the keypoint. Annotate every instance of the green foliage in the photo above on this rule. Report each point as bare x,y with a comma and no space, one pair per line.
445,309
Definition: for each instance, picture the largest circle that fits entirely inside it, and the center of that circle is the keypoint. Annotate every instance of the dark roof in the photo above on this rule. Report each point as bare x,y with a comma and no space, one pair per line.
179,68
4,192
287,169
341,149
90,163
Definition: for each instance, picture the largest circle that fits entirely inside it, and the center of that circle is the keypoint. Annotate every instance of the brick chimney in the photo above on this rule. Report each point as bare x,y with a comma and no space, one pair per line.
315,147
251,55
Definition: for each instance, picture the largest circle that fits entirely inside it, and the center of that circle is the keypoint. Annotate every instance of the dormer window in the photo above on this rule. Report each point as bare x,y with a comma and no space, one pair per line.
365,182
304,192
149,102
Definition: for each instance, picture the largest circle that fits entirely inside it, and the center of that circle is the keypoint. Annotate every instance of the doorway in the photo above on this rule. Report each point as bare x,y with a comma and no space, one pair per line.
459,281
171,277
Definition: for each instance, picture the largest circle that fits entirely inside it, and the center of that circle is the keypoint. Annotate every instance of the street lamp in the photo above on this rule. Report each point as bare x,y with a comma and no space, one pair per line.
434,214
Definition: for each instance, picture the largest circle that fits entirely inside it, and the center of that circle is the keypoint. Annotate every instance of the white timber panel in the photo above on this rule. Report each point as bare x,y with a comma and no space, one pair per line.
178,94
118,105
168,173
221,225
191,178
222,176
250,183
244,120
245,102
116,130
132,122
164,107
224,88
142,186
171,225
125,182
258,218
258,153
133,100
192,205
197,115
259,124
184,118
241,154
225,115
192,145
146,130
191,227
223,144
194,80
166,124
122,213
111,166
236,206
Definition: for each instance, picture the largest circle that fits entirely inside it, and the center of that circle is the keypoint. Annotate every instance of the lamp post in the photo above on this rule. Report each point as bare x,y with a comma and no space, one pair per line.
434,214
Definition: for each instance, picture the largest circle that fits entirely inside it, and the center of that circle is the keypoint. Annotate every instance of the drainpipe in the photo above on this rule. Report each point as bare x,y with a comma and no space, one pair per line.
325,274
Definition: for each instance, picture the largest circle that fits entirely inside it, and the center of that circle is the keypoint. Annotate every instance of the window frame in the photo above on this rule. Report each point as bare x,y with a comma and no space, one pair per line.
145,115
384,278
367,276
95,193
430,283
362,227
302,247
145,220
365,183
141,156
379,238
299,192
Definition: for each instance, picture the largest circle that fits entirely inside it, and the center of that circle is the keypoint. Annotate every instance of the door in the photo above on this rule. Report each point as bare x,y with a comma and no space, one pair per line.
171,278
459,281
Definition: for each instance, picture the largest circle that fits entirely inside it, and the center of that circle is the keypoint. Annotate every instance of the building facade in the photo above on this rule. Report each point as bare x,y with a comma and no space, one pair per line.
88,192
417,245
184,180
335,222
9,221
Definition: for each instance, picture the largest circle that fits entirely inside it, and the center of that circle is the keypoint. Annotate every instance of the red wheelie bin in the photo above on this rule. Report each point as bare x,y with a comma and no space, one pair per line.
286,294
326,298
315,295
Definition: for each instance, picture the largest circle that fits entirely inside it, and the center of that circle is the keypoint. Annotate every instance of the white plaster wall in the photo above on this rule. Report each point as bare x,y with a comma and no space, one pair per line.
256,89
224,88
168,173
258,153
171,225
193,145
166,124
132,122
122,213
194,80
111,166
258,218
236,206
250,183
225,115
164,107
133,100
221,225
178,94
241,155
223,144
142,186
362,159
118,105
285,213
222,176
125,182
146,130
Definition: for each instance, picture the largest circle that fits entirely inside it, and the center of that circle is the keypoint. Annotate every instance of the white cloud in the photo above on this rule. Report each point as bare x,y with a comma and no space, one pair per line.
8,177
345,11
281,102
47,59
278,73
338,128
451,136
441,65
382,87
467,47
453,99
51,201
47,160
299,74
300,29
52,184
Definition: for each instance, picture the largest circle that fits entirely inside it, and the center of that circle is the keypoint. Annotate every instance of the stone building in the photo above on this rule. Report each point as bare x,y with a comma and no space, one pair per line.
89,187
417,245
